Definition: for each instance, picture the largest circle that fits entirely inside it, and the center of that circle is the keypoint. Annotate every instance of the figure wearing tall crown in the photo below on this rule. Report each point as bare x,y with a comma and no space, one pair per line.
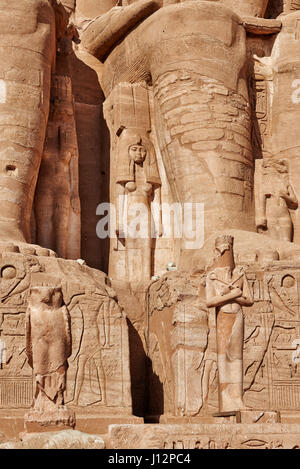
227,290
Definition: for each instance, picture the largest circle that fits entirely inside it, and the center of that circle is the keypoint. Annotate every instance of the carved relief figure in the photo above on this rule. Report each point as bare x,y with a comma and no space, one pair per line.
189,343
98,374
57,203
276,198
15,373
95,308
48,346
138,184
227,290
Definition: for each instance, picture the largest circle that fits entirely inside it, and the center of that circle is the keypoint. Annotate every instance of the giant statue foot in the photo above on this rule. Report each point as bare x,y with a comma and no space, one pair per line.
25,249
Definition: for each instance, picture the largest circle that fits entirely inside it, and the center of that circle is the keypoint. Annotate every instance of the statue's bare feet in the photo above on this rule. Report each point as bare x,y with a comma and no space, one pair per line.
13,240
25,248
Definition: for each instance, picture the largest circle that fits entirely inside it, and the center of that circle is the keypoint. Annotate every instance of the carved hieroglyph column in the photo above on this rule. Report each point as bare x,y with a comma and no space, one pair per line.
27,46
286,101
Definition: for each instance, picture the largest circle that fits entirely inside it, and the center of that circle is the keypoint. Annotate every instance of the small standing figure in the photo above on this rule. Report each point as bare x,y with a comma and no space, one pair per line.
227,290
57,202
276,198
138,184
48,346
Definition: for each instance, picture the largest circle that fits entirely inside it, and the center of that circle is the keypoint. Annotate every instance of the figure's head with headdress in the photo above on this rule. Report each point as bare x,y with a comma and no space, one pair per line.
137,151
224,251
275,165
135,148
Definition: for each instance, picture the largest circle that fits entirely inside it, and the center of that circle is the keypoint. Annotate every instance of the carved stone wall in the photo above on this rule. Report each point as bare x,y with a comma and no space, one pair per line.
98,373
159,104
182,344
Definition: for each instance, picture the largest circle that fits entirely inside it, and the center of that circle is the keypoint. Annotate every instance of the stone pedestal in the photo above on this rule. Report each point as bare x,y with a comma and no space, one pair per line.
60,419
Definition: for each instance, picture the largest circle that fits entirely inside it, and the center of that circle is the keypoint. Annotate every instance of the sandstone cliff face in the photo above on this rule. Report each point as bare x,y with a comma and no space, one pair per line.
149,223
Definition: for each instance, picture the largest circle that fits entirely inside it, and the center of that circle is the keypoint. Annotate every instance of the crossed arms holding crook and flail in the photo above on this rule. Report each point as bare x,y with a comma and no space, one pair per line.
230,292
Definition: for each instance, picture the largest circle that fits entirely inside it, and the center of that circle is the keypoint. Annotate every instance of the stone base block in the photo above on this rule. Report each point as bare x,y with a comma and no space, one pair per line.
12,422
205,436
63,439
61,418
99,424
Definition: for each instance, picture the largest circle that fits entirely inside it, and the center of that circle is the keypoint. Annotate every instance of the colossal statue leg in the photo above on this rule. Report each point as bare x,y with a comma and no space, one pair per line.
194,55
27,46
286,101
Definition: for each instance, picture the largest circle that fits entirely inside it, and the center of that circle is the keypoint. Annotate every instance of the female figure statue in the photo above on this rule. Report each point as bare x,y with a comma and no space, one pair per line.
138,184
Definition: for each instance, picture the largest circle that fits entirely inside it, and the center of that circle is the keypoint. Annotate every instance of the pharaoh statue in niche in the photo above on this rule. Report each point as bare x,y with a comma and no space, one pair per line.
48,346
227,290
138,184
276,198
57,202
